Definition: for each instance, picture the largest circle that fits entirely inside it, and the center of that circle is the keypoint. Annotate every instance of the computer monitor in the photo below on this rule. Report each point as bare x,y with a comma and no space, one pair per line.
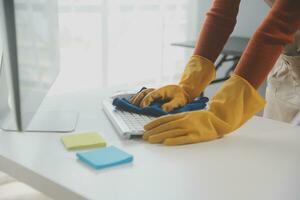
29,66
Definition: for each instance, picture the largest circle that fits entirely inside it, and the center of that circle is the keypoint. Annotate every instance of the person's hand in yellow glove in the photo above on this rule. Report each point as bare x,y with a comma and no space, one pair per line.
138,97
235,103
198,73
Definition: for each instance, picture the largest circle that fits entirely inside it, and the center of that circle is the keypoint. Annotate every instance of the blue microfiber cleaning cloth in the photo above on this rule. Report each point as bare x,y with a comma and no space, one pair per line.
155,109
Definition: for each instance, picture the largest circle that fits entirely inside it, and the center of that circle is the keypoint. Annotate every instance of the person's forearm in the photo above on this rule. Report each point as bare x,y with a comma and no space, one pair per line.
268,41
217,27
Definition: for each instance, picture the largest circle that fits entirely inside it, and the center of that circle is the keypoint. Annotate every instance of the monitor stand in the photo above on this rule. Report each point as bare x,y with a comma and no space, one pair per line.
46,121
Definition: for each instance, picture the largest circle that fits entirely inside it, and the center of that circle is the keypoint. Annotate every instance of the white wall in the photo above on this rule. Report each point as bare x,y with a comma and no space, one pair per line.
251,13
250,16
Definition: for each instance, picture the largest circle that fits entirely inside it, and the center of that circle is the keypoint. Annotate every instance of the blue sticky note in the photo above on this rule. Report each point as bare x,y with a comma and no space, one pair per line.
105,157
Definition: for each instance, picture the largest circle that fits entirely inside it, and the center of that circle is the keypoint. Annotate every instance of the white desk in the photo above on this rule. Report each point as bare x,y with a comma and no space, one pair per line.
259,161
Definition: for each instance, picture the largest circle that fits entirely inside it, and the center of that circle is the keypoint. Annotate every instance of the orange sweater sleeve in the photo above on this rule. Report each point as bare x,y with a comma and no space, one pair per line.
218,25
268,41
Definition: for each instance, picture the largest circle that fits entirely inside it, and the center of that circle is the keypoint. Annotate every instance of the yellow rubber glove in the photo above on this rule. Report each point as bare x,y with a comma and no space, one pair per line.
136,99
198,73
235,103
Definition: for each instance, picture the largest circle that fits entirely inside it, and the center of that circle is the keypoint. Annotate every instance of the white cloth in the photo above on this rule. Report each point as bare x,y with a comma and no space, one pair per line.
10,189
19,191
4,178
283,89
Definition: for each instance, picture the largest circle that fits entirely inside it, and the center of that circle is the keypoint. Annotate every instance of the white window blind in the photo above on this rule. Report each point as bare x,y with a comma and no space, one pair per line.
117,42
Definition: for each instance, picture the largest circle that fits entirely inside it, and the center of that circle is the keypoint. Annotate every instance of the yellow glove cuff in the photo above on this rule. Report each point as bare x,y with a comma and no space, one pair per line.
236,102
198,73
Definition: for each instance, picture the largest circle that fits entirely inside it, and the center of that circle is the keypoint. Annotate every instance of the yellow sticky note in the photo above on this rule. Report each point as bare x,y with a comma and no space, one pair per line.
83,141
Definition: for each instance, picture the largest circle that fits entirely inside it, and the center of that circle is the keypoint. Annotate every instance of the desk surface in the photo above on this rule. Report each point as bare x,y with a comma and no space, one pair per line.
259,161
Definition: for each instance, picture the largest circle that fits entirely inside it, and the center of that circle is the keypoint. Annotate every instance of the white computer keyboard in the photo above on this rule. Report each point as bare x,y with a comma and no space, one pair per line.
134,121
127,124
